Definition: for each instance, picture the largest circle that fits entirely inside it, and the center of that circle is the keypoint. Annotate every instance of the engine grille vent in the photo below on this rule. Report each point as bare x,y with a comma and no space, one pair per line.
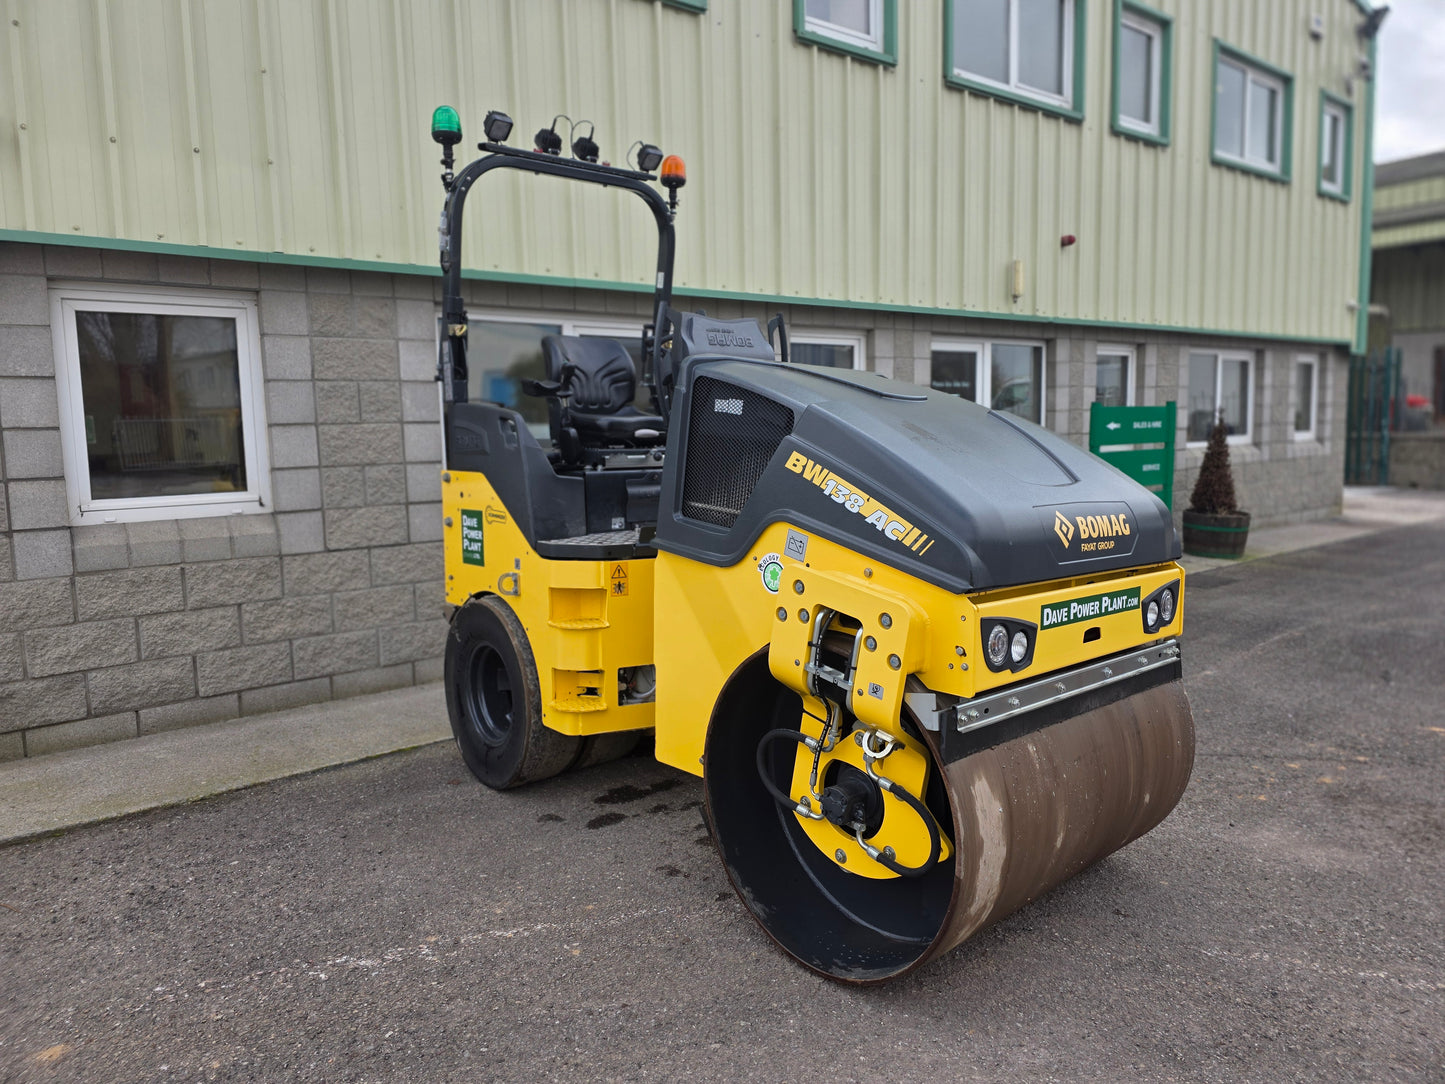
732,434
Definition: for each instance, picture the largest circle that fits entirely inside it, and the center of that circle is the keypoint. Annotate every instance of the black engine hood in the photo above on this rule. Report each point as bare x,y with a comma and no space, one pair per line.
937,486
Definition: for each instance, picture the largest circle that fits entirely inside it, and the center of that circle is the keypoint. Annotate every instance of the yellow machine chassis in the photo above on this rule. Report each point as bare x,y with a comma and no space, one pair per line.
585,620
699,624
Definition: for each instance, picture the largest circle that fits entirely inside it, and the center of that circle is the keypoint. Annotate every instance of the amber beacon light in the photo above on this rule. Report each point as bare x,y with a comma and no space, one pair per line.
674,176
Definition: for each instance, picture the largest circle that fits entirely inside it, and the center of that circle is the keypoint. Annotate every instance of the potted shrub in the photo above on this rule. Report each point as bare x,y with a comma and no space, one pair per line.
1213,524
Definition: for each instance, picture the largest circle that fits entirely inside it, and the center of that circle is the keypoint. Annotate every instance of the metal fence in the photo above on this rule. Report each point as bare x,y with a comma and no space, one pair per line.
1376,407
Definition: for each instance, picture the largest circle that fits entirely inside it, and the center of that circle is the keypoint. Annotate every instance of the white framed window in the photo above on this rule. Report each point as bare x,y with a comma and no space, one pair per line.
504,349
1115,376
162,403
1141,70
1335,146
859,25
839,351
1251,114
1015,49
1306,396
1005,376
1221,384
957,367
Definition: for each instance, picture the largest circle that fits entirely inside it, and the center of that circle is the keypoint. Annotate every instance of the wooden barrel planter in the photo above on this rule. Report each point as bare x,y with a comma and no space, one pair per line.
1216,535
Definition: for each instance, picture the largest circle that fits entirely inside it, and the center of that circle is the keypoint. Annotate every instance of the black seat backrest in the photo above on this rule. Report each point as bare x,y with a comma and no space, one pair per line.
603,378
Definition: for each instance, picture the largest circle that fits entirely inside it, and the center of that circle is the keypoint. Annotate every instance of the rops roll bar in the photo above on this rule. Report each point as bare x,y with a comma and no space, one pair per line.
452,356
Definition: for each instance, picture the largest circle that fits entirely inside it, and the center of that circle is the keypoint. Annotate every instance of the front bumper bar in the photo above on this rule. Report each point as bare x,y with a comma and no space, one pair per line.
964,726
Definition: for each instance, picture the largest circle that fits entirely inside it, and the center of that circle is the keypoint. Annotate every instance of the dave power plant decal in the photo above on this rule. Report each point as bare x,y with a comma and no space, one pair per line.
1088,608
888,522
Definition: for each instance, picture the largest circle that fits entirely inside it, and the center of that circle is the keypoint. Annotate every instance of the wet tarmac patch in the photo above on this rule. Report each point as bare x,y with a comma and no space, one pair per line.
550,818
605,819
625,793
671,871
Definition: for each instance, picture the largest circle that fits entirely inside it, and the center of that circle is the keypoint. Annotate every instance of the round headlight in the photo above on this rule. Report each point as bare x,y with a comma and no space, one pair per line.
1019,647
1166,605
1151,615
997,645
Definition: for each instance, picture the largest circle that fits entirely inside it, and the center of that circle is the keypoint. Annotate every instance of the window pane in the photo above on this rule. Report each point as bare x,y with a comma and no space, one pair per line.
1017,374
956,372
1234,394
1263,140
854,15
1331,149
1136,75
1201,396
1304,411
980,38
501,355
1229,83
1041,45
162,401
1112,384
831,354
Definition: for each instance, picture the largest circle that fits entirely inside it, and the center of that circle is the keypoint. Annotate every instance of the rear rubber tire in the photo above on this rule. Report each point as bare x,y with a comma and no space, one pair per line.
605,748
495,700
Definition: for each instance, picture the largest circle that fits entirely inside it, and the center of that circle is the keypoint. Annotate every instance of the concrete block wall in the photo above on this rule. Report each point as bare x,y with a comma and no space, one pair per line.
1277,478
110,631
114,630
1417,460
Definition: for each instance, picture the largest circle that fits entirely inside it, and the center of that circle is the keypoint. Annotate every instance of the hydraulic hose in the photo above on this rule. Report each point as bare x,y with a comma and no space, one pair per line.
782,799
934,844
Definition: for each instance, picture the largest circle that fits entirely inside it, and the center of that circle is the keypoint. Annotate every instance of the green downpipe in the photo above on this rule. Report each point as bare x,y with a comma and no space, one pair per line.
1367,211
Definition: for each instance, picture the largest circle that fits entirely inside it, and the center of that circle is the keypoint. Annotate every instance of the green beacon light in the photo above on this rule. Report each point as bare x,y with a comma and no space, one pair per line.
446,126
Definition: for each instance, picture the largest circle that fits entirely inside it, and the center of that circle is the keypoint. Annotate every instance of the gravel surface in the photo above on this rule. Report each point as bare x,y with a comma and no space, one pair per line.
395,921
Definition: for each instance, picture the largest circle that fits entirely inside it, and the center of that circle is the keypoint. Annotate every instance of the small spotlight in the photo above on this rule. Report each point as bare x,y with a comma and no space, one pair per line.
997,646
649,157
1019,646
547,140
497,125
585,147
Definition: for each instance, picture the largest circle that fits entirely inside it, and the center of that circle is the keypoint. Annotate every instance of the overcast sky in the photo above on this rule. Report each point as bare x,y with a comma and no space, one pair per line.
1410,105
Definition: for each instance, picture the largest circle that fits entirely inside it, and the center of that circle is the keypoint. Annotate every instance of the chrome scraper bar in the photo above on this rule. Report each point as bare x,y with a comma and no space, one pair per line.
1017,699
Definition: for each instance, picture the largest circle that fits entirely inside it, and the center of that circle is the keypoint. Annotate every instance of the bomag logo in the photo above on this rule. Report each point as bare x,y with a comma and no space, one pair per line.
723,337
1063,528
1097,534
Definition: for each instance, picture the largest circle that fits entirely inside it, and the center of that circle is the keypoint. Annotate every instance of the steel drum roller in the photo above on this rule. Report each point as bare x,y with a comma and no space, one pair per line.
1024,815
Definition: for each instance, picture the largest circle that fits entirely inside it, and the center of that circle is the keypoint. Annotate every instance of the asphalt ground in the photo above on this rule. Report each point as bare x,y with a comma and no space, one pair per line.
392,920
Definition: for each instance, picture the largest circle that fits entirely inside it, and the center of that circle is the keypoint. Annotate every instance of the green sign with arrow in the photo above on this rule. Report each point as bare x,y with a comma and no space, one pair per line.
1139,441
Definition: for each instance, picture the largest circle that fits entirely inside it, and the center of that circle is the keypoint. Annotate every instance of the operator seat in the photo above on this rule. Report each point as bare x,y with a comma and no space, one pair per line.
601,381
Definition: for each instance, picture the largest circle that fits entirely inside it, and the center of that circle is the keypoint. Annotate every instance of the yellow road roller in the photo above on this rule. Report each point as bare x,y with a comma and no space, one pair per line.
924,655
